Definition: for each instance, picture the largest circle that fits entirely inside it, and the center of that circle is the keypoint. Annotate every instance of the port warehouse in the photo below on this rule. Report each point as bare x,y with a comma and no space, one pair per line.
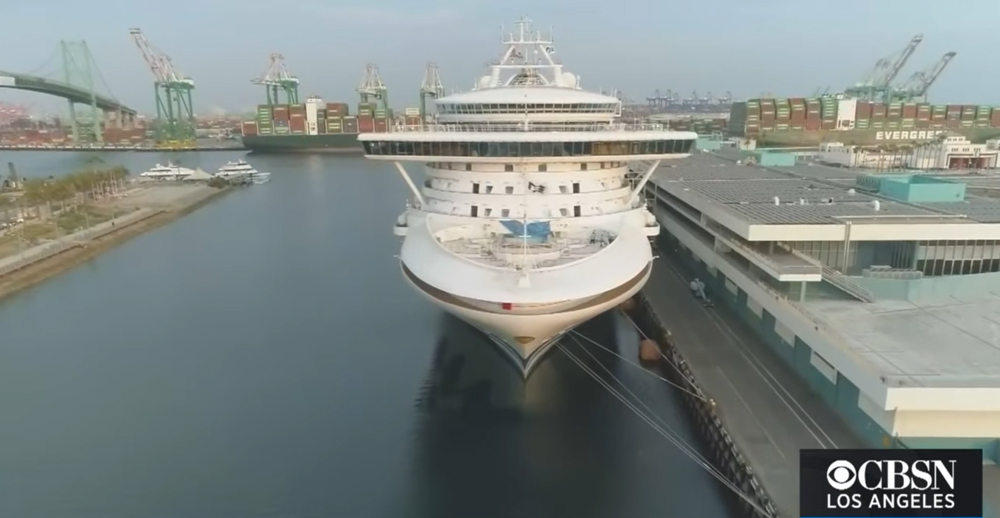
832,113
883,308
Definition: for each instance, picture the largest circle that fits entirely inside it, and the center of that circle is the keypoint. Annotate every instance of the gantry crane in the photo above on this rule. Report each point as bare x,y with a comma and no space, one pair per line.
276,78
430,88
372,89
917,85
877,86
175,125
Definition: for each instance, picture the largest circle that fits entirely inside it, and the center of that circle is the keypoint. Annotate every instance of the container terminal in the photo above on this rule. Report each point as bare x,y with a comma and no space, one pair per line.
878,291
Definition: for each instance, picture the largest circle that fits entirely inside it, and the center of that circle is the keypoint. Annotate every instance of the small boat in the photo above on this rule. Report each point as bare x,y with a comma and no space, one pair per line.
241,169
237,168
170,171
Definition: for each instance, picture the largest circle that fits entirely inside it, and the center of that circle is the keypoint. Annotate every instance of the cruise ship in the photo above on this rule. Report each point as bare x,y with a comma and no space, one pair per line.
529,221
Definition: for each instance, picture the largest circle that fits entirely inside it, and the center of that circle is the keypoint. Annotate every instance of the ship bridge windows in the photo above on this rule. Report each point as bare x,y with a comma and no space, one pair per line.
522,108
528,149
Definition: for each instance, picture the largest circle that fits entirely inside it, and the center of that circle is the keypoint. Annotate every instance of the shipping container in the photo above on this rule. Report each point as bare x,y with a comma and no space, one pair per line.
297,107
892,124
909,111
828,110
983,113
321,129
828,124
909,124
365,124
250,128
862,124
952,123
381,126
413,120
969,112
995,118
923,123
878,111
337,109
350,125
281,130
863,111
877,124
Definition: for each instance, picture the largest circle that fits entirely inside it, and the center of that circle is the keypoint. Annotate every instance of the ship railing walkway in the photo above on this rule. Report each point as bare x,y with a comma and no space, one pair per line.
511,127
769,411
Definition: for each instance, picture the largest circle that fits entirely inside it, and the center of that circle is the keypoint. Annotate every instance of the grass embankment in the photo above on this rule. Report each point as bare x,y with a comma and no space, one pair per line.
35,232
70,221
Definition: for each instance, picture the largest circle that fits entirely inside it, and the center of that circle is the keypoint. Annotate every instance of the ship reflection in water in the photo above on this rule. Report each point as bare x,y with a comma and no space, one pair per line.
556,444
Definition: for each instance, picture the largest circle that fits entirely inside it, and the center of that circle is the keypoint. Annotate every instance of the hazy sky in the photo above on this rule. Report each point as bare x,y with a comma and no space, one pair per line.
786,47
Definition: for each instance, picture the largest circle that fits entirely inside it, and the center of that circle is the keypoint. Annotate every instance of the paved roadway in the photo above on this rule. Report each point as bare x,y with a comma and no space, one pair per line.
770,413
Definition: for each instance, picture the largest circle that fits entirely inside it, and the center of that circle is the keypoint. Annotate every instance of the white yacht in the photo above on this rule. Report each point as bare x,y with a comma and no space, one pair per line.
236,168
526,225
170,171
233,169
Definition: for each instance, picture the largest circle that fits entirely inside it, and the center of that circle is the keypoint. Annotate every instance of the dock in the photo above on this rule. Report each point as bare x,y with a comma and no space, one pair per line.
767,409
810,349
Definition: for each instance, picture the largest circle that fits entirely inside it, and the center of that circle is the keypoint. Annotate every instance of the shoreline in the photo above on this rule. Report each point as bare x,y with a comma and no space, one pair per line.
51,266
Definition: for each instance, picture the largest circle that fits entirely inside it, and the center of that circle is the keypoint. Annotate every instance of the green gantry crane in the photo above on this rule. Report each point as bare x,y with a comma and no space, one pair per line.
175,124
430,88
277,79
877,86
372,89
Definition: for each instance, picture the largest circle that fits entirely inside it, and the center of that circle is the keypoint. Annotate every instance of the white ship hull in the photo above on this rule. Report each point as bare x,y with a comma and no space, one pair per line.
524,333
547,329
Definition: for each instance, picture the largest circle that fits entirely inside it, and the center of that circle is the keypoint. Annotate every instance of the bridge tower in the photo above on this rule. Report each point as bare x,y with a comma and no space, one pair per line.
79,68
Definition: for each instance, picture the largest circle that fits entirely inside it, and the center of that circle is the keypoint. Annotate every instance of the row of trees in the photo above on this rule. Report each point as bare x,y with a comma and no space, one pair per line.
90,185
44,196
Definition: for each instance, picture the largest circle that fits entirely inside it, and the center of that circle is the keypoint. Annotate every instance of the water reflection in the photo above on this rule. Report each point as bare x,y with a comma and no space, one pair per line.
559,444
494,444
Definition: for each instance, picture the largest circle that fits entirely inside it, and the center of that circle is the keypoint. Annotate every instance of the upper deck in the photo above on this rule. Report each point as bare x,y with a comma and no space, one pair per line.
529,142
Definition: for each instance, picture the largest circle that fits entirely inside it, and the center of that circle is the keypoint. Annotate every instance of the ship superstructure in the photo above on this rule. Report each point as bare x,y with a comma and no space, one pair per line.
528,222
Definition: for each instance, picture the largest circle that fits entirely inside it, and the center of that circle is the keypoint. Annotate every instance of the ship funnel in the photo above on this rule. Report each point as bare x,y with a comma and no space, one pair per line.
777,201
876,205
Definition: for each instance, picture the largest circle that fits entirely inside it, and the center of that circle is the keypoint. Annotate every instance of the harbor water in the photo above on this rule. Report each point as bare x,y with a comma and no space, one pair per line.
263,357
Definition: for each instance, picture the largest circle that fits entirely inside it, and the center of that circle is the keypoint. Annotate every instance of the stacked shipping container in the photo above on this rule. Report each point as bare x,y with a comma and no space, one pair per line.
331,118
822,114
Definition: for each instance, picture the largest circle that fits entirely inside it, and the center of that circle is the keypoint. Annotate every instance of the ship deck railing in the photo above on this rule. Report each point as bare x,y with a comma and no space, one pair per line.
519,127
499,252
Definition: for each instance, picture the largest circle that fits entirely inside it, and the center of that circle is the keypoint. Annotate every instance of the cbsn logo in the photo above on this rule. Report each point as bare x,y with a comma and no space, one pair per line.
896,483
892,475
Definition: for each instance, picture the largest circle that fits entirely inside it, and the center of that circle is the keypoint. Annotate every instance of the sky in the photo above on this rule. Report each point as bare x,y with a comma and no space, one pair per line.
787,48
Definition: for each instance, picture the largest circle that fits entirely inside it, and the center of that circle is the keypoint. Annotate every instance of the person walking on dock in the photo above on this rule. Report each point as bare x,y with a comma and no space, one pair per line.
698,290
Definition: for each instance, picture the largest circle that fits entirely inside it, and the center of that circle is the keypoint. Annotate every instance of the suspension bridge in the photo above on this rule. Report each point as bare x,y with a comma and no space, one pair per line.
71,73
